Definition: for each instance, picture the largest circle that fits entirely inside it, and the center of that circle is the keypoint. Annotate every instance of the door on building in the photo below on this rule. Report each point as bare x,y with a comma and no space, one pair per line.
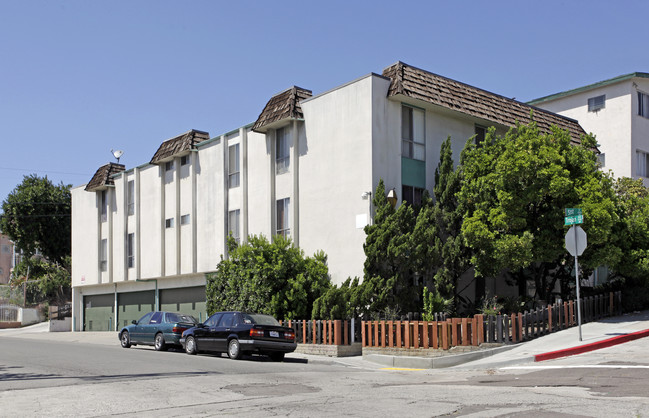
187,300
98,312
132,306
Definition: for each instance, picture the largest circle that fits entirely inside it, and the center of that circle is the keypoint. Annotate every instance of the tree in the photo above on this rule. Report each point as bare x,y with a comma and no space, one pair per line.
515,188
47,281
37,217
272,278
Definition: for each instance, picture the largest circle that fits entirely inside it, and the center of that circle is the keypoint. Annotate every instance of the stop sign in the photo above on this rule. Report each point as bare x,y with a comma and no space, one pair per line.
575,241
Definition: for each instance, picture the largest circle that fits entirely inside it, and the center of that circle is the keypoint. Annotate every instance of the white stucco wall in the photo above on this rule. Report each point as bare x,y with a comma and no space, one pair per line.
85,241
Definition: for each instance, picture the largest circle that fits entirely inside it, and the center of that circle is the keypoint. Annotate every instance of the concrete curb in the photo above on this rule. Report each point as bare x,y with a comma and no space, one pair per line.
440,362
592,346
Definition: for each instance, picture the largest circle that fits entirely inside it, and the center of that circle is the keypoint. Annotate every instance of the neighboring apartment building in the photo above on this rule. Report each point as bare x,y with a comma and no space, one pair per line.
617,112
6,258
143,238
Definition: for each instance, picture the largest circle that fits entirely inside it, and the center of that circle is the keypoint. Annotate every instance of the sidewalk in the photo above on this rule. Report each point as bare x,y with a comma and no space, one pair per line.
595,335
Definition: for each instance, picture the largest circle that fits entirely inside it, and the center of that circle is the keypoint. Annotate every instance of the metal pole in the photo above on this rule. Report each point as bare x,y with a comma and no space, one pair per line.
577,279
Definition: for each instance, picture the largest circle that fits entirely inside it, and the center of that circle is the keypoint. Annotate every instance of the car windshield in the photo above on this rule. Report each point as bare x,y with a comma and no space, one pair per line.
174,317
259,319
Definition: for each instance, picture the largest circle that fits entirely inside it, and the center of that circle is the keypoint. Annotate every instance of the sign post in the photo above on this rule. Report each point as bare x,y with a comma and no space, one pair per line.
576,241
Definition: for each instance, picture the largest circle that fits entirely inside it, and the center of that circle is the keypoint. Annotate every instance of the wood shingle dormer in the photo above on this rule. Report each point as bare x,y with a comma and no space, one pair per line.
103,177
418,84
281,107
179,146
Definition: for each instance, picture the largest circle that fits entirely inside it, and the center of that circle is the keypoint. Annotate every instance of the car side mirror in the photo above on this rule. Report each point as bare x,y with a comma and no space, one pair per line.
134,322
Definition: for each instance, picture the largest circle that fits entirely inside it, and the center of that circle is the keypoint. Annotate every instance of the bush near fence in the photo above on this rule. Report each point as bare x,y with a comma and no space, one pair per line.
504,329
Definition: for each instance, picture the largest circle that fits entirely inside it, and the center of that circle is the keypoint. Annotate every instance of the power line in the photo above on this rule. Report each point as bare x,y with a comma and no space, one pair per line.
42,171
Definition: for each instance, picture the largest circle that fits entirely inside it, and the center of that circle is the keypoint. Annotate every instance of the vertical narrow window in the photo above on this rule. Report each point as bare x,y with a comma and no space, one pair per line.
643,104
233,165
184,160
480,134
169,165
233,224
103,256
130,250
104,206
130,197
642,167
283,228
282,151
413,133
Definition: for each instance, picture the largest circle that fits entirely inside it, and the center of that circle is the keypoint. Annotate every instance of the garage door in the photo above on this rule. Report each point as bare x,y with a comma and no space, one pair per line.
132,306
98,312
188,300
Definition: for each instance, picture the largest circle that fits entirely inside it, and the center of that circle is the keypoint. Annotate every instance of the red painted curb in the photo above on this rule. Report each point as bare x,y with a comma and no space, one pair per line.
592,346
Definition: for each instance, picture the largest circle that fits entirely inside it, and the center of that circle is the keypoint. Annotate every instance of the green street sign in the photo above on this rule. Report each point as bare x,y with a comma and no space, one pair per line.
573,212
573,220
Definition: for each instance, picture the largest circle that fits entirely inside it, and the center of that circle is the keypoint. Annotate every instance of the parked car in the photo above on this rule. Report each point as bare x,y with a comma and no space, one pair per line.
238,333
159,329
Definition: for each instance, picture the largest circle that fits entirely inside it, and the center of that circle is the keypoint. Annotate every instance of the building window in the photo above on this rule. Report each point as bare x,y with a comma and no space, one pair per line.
642,169
412,133
643,105
601,158
169,223
103,256
596,103
130,251
169,165
130,197
184,219
184,160
411,194
283,228
282,151
104,206
480,134
233,224
233,166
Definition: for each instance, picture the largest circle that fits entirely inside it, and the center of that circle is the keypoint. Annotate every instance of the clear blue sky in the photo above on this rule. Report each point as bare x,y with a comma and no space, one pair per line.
78,78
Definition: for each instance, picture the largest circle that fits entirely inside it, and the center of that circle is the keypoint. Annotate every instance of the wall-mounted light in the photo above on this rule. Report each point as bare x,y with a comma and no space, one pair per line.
366,195
392,197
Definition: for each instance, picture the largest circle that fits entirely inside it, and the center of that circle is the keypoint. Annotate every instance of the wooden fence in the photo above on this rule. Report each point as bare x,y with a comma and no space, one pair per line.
327,332
504,329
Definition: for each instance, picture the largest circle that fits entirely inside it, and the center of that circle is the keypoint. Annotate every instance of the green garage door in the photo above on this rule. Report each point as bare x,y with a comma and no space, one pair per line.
98,312
133,305
188,300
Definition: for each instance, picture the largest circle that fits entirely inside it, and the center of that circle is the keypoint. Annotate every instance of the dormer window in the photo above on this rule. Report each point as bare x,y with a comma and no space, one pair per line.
184,160
169,165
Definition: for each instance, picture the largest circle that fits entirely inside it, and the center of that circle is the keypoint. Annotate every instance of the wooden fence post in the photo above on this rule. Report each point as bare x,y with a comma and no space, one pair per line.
406,334
382,333
465,331
399,334
435,334
425,335
445,330
337,332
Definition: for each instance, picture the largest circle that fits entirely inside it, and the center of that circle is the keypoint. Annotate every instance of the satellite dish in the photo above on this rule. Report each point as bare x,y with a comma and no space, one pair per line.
117,154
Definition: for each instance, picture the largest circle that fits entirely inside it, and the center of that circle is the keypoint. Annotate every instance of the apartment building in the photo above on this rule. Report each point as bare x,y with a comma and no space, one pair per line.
143,238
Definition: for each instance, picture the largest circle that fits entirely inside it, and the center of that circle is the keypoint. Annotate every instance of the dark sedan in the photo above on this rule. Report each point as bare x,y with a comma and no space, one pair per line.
238,333
159,329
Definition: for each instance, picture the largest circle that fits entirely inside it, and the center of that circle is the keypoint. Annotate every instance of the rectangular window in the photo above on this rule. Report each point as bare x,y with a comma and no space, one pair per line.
411,195
169,223
413,137
184,160
104,206
282,151
643,105
283,227
480,134
130,250
130,197
169,165
596,103
184,219
601,158
233,166
233,224
103,260
642,168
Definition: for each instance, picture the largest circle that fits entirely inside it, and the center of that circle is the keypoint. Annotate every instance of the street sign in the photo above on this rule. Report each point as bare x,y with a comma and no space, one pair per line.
576,240
573,216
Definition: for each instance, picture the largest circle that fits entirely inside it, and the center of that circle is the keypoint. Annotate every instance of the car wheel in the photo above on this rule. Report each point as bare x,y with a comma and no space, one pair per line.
160,342
234,349
276,356
190,346
125,339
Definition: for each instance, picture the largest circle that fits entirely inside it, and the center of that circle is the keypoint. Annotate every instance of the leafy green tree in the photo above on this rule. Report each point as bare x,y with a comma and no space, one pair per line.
36,216
273,278
514,190
46,281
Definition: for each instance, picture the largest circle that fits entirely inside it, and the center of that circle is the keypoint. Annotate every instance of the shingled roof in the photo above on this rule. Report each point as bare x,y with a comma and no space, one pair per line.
441,91
103,177
179,145
285,105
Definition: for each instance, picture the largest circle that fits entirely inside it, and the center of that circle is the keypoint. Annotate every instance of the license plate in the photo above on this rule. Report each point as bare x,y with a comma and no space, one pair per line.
274,334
